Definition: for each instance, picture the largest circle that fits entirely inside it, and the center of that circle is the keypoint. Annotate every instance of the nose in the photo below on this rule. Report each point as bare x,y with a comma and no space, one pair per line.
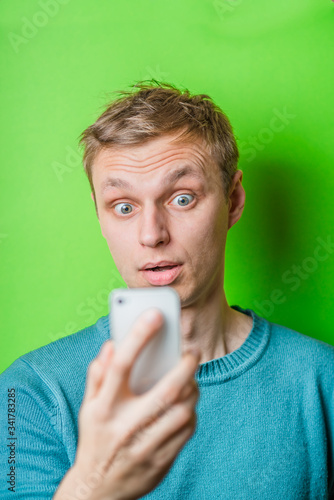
153,227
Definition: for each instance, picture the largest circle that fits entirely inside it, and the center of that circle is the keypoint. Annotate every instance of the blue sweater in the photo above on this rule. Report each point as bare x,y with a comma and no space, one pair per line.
265,419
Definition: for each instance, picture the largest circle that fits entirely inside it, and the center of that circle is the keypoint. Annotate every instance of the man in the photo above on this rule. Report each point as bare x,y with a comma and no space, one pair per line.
249,415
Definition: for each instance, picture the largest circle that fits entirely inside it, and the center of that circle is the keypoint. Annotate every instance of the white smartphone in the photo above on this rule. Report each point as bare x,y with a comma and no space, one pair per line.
163,351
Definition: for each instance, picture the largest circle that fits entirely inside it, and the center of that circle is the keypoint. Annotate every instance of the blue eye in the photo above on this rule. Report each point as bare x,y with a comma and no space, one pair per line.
183,199
126,208
124,212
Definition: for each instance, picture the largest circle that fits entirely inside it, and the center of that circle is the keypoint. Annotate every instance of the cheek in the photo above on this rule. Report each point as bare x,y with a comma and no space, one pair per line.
120,243
208,240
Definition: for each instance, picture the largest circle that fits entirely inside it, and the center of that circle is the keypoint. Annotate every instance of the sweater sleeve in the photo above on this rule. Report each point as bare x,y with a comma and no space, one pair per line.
33,459
328,402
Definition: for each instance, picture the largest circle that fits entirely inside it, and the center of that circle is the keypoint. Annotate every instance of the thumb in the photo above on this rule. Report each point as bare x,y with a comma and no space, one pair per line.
96,370
105,353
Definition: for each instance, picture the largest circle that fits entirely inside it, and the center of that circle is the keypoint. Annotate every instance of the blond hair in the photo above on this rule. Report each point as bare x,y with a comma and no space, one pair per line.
153,109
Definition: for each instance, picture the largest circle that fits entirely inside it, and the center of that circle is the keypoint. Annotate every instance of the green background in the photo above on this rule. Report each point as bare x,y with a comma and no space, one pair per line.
60,63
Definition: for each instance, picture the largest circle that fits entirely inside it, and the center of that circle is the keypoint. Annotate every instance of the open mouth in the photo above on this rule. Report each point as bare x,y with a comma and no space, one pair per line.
162,275
157,269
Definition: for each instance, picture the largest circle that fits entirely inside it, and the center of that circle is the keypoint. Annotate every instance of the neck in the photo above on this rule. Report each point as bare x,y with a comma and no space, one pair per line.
213,327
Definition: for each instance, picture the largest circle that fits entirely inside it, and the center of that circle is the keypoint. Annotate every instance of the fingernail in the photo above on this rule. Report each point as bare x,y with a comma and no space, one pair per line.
103,354
151,316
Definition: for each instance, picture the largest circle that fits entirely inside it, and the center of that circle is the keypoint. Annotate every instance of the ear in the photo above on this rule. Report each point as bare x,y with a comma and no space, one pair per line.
236,199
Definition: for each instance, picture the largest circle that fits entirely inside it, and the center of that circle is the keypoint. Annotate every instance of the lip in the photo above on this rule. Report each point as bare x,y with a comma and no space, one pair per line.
162,277
159,264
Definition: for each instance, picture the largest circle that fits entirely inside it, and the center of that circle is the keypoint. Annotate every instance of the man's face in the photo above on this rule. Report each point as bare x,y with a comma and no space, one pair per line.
155,218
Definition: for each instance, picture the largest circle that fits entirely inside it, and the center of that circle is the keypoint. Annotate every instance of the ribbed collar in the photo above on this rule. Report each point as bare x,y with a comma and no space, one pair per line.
235,363
231,365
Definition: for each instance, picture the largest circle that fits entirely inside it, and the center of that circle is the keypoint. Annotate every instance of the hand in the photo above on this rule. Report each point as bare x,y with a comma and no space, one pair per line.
127,442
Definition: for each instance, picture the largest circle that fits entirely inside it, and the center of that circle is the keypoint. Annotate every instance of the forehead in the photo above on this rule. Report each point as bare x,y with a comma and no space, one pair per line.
161,157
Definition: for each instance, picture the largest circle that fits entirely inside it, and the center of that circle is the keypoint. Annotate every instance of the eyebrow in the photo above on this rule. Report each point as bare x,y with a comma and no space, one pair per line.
171,178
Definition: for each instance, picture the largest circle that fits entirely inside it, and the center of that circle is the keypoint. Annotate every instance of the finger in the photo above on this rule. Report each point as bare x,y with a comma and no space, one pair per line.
149,440
188,389
160,427
126,353
179,415
96,370
169,389
164,456
106,352
93,379
163,460
165,393
172,446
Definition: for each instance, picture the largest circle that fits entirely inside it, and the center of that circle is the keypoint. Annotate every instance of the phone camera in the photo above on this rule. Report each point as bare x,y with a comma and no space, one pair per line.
120,301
